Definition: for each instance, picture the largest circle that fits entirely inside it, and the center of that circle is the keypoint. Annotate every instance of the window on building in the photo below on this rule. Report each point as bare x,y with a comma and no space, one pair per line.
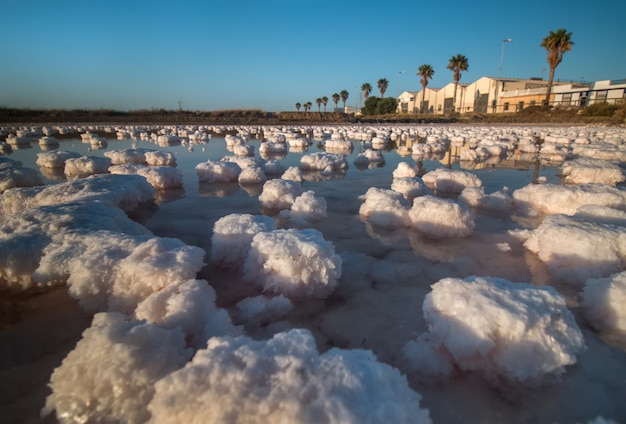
405,107
506,106
520,106
567,99
601,96
533,102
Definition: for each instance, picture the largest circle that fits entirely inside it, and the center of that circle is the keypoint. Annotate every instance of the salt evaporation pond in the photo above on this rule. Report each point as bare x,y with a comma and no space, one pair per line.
446,274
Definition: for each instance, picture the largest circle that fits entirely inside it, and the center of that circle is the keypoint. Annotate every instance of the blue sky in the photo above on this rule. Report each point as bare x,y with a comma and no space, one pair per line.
270,54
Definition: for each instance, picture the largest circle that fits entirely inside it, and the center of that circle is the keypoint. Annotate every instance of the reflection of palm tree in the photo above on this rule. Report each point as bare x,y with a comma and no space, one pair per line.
426,72
457,64
556,43
420,169
382,87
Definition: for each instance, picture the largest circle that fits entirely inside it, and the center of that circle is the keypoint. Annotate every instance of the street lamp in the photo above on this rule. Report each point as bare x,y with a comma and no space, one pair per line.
506,40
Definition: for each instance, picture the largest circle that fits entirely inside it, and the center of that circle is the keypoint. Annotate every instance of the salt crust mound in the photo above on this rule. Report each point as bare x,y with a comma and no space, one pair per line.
85,166
476,198
280,194
284,380
384,208
125,191
297,263
162,177
191,307
326,162
232,237
159,158
509,333
12,177
252,175
439,218
293,174
31,239
55,158
405,170
110,374
589,244
218,172
452,181
259,310
566,199
587,170
126,156
306,208
603,301
410,187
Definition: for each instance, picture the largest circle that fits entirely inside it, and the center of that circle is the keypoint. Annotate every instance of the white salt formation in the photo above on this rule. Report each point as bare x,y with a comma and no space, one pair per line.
232,237
125,191
475,197
405,170
280,194
11,177
126,156
110,374
284,379
86,166
252,175
258,310
297,263
440,218
587,170
162,177
384,208
159,158
451,181
558,199
305,209
293,174
55,158
410,187
507,332
326,162
603,301
589,244
217,172
191,307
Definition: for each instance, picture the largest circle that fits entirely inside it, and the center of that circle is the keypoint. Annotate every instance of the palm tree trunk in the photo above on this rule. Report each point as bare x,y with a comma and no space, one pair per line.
456,84
423,97
549,90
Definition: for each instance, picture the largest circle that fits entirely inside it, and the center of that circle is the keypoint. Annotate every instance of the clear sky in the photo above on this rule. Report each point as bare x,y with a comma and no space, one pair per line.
270,54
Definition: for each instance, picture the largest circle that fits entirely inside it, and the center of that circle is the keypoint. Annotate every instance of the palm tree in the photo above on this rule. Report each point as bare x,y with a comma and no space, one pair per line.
319,102
457,64
344,96
382,87
298,106
367,89
426,72
556,43
307,106
324,102
336,99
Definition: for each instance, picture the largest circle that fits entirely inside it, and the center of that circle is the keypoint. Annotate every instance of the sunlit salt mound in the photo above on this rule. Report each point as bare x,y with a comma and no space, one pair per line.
405,170
293,173
11,177
507,332
305,209
338,145
589,244
451,181
369,156
296,263
603,301
110,374
279,193
252,175
475,197
582,171
124,191
162,177
284,380
260,310
85,166
232,237
191,307
217,172
565,199
124,156
440,218
55,158
384,208
158,158
274,167
410,187
326,162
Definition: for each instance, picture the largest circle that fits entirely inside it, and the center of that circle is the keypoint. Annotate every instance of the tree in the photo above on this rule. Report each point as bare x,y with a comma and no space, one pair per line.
298,106
367,89
426,72
335,99
344,96
307,106
377,106
457,64
319,102
382,87
324,102
556,43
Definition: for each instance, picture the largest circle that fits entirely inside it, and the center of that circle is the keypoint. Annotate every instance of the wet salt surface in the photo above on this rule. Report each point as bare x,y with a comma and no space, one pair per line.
377,305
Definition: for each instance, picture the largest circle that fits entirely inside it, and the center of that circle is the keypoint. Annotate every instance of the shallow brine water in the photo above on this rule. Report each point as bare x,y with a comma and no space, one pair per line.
377,304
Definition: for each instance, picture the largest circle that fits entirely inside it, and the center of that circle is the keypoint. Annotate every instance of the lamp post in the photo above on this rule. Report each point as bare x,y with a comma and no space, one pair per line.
506,40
